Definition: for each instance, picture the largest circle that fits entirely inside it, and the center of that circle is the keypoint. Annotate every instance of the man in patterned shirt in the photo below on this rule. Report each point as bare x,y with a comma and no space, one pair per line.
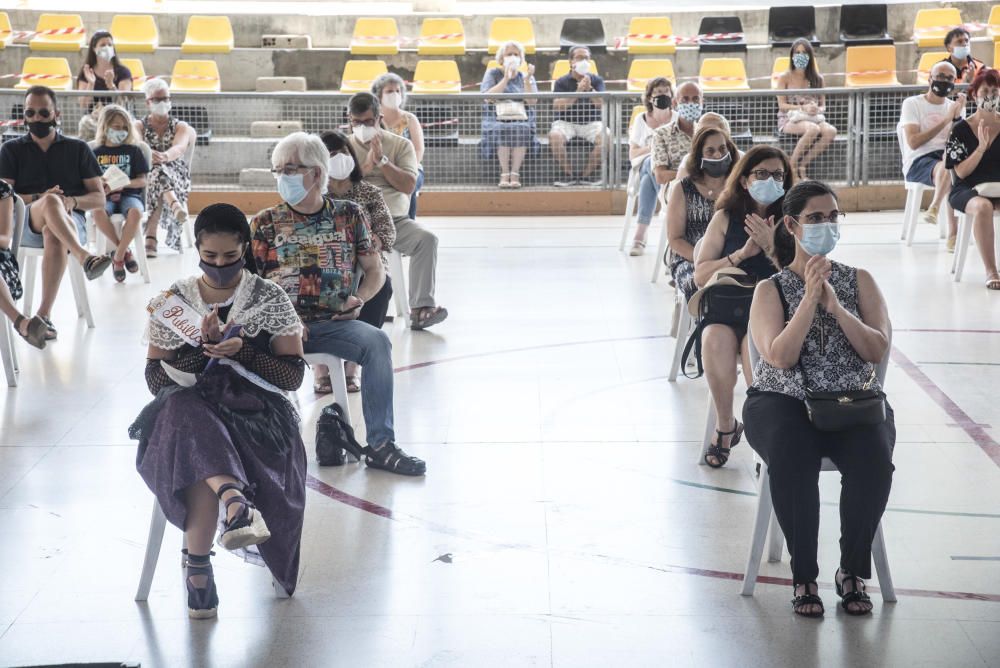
316,248
671,142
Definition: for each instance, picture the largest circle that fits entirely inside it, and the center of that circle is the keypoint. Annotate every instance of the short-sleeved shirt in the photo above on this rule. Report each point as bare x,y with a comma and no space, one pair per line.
582,111
66,164
128,158
640,134
963,71
400,152
670,145
961,144
313,257
918,111
122,73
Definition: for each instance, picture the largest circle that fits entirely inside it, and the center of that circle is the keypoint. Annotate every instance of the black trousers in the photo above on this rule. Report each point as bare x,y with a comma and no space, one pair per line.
779,429
375,310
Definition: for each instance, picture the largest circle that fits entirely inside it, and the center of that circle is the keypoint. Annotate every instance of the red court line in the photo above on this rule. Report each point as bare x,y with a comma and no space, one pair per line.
949,331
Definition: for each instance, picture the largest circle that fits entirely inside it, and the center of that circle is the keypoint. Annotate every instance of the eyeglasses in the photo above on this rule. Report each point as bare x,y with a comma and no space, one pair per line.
835,217
288,170
763,174
370,123
41,113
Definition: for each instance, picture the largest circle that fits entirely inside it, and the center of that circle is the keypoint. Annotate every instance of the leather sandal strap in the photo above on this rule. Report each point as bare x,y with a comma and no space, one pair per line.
228,486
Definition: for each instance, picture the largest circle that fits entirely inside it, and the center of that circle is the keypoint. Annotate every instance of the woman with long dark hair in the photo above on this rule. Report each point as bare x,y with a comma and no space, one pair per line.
804,114
101,71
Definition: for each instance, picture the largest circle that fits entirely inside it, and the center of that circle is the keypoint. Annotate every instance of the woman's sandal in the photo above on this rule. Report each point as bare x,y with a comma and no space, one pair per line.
638,247
95,265
857,595
247,527
36,332
50,330
118,270
179,212
353,383
515,180
802,600
130,264
323,385
150,247
203,602
428,316
504,181
993,283
719,453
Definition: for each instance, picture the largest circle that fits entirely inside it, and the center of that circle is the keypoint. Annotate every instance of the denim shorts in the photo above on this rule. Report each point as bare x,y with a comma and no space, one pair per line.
123,205
922,168
32,239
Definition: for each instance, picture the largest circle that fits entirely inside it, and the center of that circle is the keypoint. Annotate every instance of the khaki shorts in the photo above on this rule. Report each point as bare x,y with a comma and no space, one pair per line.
588,131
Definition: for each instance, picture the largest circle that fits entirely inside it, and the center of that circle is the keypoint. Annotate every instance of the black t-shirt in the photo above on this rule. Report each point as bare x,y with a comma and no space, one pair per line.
128,158
582,111
961,144
66,164
122,73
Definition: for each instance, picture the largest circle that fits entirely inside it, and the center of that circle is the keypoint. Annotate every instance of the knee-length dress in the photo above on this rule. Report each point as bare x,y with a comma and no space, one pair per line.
167,176
699,210
509,134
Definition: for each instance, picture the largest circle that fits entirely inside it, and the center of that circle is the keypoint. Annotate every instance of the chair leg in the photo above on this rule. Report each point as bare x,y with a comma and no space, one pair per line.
399,293
153,543
962,246
776,545
882,567
7,352
661,248
79,282
29,267
912,201
629,206
761,521
710,419
139,251
683,331
912,221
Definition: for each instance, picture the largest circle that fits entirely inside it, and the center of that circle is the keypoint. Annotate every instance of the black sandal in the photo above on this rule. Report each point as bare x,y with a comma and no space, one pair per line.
50,330
151,248
720,453
203,602
37,331
802,600
859,595
389,457
247,527
130,264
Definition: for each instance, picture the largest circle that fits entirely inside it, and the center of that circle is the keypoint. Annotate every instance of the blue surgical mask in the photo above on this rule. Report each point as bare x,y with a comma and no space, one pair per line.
116,137
291,188
800,61
689,111
961,52
767,191
820,238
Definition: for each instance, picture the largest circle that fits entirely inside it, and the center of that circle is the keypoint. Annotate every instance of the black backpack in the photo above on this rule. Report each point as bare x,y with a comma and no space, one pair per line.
334,434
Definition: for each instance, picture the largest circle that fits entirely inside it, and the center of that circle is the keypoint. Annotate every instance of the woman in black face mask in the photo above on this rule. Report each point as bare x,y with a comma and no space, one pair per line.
658,100
222,347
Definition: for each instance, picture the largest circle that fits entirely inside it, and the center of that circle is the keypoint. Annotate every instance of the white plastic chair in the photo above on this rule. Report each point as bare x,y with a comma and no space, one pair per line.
683,325
765,517
631,200
189,225
911,214
661,247
8,353
965,240
338,379
399,293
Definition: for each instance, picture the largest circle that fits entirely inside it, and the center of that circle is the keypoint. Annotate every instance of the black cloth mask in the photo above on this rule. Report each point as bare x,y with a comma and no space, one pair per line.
942,88
41,129
662,101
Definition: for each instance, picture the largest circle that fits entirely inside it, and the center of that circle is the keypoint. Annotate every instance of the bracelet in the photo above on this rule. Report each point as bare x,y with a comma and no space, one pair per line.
730,258
74,201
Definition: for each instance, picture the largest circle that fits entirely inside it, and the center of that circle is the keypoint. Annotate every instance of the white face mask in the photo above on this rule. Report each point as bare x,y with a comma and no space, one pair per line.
511,61
160,108
340,166
363,133
392,100
106,52
582,67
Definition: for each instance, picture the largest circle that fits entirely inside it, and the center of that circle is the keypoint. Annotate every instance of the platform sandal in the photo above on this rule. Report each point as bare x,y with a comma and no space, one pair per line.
203,602
802,600
857,595
719,453
247,527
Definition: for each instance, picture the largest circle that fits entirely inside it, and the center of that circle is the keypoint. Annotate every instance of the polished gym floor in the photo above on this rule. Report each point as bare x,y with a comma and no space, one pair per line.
563,520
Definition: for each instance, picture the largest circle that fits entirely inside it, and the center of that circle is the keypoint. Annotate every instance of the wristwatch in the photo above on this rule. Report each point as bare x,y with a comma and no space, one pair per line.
383,161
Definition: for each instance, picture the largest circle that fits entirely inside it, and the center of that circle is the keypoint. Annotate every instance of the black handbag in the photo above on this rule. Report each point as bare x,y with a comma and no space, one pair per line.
334,434
725,304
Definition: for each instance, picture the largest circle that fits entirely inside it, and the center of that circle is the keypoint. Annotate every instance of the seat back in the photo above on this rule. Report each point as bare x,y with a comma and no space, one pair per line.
359,75
864,24
208,34
195,76
588,32
518,28
721,25
135,33
931,25
51,72
137,69
441,37
561,68
787,24
781,65
993,27
651,35
723,74
641,71
69,42
996,54
436,77
375,37
6,32
927,61
871,66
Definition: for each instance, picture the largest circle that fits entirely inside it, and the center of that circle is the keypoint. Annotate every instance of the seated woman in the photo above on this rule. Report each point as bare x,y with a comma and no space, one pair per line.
390,90
347,182
32,330
170,177
658,100
118,145
740,234
708,166
804,114
824,323
232,436
101,71
974,155
510,134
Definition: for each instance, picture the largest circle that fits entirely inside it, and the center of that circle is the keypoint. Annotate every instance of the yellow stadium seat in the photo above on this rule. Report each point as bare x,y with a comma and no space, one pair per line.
927,61
931,25
6,32
51,72
994,25
638,109
71,42
436,77
135,33
441,37
561,68
375,37
871,66
195,76
359,75
723,74
996,55
661,30
137,69
505,28
208,34
781,65
641,71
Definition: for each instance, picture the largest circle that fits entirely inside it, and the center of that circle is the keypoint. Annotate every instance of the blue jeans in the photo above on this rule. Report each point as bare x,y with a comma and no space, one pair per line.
359,342
648,189
413,198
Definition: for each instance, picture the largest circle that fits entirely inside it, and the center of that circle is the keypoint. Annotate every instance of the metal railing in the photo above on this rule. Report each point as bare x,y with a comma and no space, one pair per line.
234,150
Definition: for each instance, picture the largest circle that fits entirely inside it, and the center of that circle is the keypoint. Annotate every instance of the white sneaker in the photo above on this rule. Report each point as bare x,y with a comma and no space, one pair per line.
638,248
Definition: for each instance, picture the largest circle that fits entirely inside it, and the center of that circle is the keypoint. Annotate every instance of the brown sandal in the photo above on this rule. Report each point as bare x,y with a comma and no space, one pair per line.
428,316
36,333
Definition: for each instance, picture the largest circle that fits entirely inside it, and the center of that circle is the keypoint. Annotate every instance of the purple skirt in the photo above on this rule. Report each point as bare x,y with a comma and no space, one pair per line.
226,425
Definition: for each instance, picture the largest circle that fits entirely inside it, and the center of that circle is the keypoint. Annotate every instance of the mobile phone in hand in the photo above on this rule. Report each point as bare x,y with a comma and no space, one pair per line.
350,310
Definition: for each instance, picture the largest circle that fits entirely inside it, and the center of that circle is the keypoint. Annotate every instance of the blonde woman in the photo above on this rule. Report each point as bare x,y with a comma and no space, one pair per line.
118,145
509,139
390,89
